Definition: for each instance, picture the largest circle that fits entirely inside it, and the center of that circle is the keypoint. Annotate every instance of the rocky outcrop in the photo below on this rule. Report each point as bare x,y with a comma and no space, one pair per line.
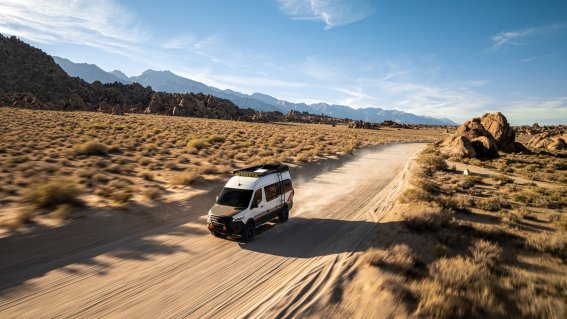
497,125
557,145
482,138
458,146
485,147
548,141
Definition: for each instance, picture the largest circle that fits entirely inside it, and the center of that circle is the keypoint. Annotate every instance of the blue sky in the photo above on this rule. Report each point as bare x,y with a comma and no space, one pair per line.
453,59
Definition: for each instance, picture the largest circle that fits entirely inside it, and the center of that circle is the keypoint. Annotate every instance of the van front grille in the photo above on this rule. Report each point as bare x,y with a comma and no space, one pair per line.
220,220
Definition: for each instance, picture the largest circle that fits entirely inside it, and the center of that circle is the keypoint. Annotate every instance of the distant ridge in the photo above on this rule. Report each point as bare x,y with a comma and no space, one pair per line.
30,78
167,81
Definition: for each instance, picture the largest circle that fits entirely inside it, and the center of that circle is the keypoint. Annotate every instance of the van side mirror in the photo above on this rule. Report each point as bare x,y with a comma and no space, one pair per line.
216,199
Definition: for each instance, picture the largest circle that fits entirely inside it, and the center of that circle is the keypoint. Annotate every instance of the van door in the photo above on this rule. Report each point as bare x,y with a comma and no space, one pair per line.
273,201
257,207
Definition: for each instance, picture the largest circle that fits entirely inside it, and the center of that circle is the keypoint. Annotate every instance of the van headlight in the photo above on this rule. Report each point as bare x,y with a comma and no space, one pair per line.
237,218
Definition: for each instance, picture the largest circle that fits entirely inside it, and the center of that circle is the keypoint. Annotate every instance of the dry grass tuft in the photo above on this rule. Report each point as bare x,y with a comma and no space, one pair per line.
153,193
431,163
457,288
90,148
552,243
412,195
422,216
186,179
53,193
486,253
399,258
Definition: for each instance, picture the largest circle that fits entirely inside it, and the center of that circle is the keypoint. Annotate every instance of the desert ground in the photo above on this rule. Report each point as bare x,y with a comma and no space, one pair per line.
60,166
488,244
104,215
175,268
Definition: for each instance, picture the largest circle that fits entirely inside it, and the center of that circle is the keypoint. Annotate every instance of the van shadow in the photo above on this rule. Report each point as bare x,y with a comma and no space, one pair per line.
313,237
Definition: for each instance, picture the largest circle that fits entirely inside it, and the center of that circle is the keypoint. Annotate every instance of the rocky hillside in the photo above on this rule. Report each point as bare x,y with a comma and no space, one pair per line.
30,78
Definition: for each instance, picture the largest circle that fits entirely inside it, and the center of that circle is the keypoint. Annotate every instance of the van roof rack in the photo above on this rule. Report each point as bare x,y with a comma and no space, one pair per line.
261,170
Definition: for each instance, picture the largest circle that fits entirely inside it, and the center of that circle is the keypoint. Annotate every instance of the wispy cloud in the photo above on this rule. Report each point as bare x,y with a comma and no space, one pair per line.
542,110
504,40
333,13
102,24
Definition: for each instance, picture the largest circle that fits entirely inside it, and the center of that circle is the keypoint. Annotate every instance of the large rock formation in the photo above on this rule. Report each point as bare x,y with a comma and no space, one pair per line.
497,125
482,138
458,146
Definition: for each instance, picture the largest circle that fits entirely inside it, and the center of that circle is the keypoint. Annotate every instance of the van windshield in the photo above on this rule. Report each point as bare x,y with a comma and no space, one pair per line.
235,197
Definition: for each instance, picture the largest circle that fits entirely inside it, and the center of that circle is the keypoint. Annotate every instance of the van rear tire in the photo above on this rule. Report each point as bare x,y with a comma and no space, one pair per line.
284,215
248,232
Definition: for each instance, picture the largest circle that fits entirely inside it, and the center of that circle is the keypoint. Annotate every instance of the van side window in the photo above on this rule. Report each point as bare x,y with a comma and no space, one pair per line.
272,191
257,198
287,185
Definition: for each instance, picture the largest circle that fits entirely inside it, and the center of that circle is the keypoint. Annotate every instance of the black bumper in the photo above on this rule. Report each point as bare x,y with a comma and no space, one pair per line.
226,227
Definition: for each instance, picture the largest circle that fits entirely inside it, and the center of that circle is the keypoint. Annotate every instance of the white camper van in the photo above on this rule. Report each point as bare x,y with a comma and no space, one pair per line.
252,197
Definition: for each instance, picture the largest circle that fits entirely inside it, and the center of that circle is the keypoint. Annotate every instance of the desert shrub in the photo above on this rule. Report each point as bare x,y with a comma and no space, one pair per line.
147,176
486,253
553,243
183,160
540,305
457,202
492,204
170,165
561,222
430,163
100,178
122,195
399,258
411,195
425,216
186,179
115,169
502,179
90,148
468,181
529,196
457,288
216,139
198,143
144,161
53,193
426,185
153,193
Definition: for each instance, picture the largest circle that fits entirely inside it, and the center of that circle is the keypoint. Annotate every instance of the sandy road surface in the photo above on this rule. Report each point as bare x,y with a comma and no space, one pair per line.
181,271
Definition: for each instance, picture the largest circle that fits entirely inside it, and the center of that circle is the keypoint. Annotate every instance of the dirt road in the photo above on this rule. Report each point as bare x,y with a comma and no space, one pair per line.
180,271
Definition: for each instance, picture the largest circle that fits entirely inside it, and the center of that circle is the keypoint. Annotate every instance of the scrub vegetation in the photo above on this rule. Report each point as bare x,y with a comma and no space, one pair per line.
95,160
484,245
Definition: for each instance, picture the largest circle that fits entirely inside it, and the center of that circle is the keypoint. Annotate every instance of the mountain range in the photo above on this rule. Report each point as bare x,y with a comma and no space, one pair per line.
167,81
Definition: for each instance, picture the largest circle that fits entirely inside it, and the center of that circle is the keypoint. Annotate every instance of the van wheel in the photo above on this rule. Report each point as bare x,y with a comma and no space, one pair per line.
284,215
248,232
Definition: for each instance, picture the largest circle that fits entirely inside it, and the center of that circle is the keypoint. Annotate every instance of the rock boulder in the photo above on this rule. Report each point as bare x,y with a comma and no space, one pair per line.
497,125
458,146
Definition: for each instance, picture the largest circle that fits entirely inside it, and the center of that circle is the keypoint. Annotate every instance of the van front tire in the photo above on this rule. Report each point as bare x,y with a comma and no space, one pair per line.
248,232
